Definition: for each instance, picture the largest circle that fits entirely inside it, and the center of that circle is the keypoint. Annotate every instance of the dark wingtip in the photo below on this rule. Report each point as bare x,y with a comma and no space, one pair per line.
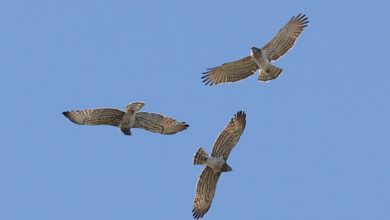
196,214
304,19
185,125
206,78
241,114
66,113
206,82
299,17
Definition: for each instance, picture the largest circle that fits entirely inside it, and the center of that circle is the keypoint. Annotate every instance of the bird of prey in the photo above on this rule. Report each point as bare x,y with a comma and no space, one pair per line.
131,118
260,59
216,163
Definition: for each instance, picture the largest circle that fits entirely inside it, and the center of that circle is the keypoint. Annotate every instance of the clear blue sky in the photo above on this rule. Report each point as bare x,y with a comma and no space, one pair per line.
316,144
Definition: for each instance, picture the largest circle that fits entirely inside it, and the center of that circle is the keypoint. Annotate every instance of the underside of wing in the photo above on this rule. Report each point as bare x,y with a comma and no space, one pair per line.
104,116
230,72
229,137
205,191
286,37
158,123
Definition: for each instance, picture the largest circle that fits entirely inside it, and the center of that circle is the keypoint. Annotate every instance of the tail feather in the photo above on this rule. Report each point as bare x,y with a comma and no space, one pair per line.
269,73
135,106
200,156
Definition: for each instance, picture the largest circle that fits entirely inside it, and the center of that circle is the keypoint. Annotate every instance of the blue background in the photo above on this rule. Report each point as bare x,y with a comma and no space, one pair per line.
316,144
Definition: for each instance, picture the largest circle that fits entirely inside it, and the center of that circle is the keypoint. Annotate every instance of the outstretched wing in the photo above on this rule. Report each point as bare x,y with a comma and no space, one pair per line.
229,137
158,123
230,72
286,37
104,116
205,191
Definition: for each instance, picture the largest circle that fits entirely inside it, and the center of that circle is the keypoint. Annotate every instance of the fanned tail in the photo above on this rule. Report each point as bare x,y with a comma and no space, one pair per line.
269,73
135,106
200,157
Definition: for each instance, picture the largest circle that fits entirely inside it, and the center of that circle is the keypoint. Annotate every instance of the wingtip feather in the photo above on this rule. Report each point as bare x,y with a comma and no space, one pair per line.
68,115
240,114
184,125
300,18
196,214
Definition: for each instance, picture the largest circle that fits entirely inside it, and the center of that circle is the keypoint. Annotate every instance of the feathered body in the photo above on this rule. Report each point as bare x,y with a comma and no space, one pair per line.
217,164
128,118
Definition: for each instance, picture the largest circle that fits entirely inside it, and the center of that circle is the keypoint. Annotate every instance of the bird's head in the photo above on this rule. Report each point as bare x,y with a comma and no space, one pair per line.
226,168
255,50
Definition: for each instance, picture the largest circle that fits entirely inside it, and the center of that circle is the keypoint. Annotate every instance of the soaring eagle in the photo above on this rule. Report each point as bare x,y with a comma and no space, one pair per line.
215,164
260,59
131,118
